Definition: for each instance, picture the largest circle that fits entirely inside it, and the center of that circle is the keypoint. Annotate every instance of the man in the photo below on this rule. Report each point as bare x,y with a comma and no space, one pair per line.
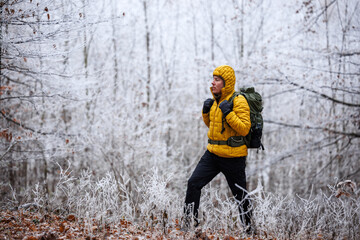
224,120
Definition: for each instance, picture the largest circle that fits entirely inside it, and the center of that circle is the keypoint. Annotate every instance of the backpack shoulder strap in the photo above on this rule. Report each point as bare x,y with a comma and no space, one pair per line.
235,94
231,100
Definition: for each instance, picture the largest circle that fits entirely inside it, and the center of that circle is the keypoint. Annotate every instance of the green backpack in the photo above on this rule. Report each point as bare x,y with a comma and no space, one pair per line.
253,139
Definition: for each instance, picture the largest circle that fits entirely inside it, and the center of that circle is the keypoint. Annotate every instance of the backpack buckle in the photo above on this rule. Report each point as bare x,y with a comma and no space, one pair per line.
235,141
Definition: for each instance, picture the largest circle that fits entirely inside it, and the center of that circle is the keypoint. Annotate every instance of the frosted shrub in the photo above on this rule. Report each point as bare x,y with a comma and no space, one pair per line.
102,199
39,196
159,206
322,216
154,205
218,213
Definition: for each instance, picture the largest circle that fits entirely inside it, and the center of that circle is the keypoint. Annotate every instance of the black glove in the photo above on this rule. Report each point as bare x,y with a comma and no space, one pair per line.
226,107
207,105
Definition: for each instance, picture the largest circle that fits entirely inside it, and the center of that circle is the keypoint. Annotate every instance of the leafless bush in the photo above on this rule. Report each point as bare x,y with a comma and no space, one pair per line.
158,207
324,216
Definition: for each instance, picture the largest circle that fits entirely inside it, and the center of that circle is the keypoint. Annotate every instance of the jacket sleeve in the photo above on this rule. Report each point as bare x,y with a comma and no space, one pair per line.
239,117
206,119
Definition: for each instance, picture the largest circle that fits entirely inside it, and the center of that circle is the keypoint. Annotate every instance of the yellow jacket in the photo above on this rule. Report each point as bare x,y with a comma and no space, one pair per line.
237,122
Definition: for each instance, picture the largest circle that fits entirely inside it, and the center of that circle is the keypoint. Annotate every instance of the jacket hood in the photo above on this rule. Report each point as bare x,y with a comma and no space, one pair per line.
227,73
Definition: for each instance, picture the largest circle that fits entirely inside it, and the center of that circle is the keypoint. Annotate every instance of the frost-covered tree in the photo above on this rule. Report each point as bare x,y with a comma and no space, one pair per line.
118,86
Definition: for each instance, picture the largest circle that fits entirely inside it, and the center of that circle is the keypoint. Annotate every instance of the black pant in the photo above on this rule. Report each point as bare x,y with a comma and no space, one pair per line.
209,166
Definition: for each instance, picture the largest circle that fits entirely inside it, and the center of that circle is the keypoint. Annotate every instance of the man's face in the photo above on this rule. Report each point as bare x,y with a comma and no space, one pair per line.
217,85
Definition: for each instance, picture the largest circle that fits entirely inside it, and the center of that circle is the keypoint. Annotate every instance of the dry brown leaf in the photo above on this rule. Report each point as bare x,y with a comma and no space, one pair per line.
229,238
62,228
31,238
48,236
32,227
70,217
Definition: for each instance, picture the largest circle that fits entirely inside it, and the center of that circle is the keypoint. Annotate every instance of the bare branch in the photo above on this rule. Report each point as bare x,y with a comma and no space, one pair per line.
16,123
281,92
38,96
331,160
356,135
31,129
314,20
347,54
351,91
354,173
328,71
316,92
299,150
8,150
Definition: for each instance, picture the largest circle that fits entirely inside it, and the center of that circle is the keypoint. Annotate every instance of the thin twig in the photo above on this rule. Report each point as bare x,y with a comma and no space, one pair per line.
8,150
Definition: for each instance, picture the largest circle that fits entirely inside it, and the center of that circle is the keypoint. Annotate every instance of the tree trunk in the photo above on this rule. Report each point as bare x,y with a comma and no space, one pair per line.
148,60
212,33
115,55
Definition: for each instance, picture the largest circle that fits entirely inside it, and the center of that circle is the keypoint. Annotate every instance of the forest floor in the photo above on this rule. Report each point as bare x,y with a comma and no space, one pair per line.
30,225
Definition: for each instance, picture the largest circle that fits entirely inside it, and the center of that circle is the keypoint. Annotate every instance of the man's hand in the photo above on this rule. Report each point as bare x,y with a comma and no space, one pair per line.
207,105
226,107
